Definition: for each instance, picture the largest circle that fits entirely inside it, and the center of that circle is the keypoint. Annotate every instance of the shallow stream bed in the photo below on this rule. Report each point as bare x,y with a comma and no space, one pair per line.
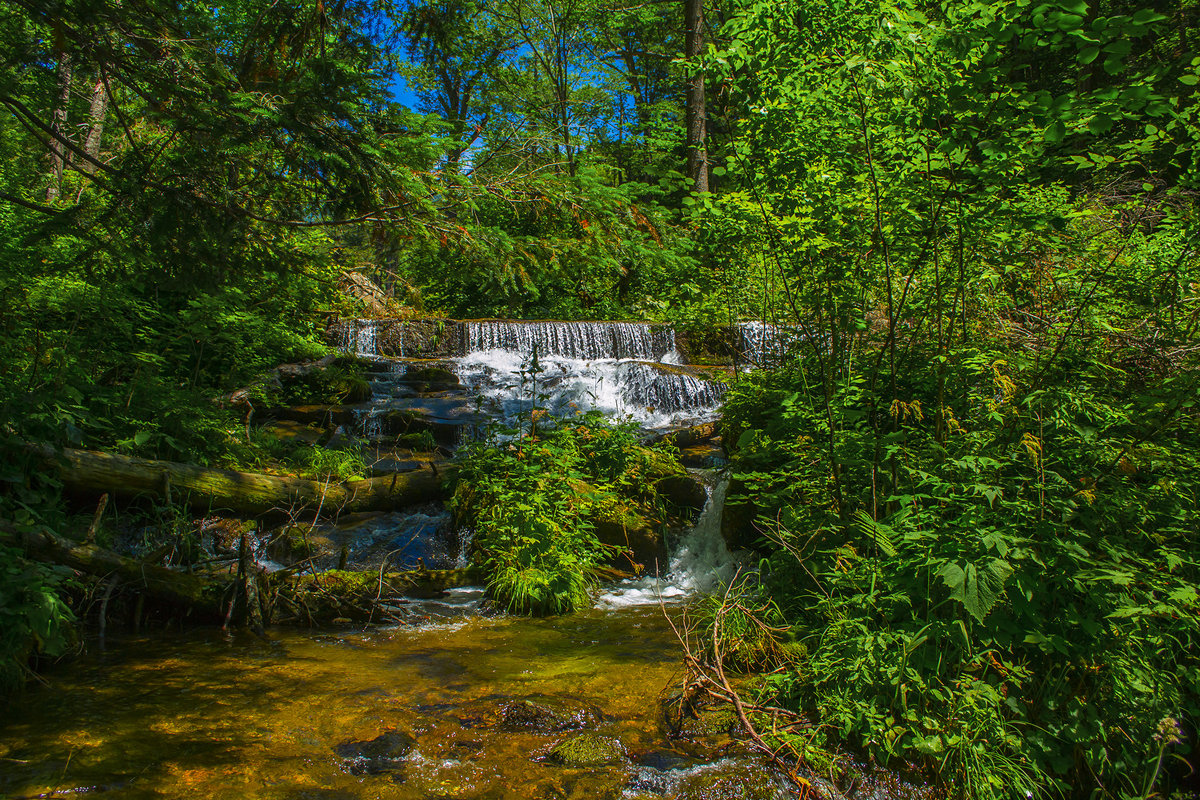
476,703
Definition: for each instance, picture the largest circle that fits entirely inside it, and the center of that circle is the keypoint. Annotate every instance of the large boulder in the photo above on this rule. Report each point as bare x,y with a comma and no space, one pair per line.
625,527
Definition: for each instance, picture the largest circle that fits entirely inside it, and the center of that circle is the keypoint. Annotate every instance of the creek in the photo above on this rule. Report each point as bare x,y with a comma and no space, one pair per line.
456,702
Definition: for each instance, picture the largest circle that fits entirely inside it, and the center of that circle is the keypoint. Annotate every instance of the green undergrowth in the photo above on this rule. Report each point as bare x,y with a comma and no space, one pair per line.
1018,609
534,504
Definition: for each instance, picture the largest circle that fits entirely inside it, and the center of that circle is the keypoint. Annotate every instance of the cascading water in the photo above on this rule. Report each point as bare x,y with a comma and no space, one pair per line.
360,337
575,340
761,342
700,564
624,370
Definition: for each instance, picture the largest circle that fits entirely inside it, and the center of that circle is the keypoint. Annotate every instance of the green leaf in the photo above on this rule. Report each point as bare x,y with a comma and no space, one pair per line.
1088,54
141,437
978,589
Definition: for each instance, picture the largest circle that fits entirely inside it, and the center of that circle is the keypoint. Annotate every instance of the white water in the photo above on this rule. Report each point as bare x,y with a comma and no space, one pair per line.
608,367
620,389
575,340
700,564
360,337
620,369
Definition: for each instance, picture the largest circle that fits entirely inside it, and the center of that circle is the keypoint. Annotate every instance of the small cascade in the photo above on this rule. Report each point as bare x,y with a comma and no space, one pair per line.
700,563
361,337
625,370
763,343
576,340
647,386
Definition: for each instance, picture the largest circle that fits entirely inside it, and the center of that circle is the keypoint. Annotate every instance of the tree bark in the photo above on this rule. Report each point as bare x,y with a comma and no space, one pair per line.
207,489
58,123
696,117
96,114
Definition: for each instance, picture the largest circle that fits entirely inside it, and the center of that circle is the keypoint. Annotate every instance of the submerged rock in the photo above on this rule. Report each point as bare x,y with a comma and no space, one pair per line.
729,780
384,753
587,750
546,715
536,714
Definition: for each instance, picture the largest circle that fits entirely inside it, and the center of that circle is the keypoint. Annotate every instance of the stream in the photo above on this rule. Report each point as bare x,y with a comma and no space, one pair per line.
456,702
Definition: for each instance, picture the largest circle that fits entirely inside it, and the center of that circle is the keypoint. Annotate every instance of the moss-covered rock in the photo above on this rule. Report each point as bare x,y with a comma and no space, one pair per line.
587,750
292,432
297,542
682,718
684,491
729,780
546,715
430,378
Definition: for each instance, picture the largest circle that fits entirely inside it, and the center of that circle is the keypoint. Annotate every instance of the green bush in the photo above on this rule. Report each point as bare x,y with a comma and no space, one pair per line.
1020,612
532,503
34,619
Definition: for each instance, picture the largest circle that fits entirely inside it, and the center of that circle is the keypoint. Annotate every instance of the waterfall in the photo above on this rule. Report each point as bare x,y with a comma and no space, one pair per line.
699,564
647,386
621,369
361,337
762,343
577,340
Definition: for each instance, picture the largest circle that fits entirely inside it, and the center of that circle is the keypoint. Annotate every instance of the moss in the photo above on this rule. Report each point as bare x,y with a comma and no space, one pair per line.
430,378
587,750
729,780
686,720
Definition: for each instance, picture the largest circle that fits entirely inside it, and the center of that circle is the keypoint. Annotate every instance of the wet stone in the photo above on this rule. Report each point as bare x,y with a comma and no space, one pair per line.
683,719
587,750
384,753
546,715
729,780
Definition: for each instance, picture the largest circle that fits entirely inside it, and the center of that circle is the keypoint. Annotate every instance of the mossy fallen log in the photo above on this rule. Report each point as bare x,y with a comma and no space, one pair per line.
198,592
214,595
686,437
208,489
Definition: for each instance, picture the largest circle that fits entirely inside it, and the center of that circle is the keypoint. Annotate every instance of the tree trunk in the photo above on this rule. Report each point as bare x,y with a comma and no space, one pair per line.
58,122
697,156
208,489
96,114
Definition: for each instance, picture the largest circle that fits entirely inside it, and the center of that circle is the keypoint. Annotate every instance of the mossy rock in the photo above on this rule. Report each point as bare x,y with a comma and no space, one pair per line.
729,780
293,432
684,719
298,542
320,414
625,527
683,491
546,715
430,378
587,750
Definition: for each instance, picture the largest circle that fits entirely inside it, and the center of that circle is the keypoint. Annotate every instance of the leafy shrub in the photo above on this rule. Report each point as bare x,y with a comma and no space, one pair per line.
532,503
1020,612
34,619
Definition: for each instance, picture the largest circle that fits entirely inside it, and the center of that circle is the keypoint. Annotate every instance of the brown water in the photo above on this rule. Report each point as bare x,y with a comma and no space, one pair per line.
209,715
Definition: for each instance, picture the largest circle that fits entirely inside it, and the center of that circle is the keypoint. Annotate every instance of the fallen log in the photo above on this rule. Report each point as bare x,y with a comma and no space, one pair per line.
258,597
207,489
686,437
201,593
